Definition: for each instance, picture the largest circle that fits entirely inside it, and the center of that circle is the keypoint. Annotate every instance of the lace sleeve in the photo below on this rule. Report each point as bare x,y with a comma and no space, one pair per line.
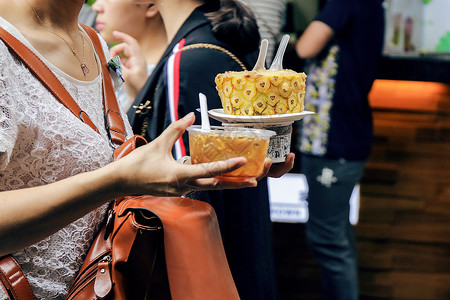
8,125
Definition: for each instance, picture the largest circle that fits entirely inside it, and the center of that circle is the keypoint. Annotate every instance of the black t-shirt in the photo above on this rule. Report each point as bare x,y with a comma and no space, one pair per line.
339,83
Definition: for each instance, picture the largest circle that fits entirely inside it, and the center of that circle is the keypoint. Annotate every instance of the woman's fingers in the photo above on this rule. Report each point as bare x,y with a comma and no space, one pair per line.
129,46
172,133
278,170
125,38
117,50
216,168
265,170
206,184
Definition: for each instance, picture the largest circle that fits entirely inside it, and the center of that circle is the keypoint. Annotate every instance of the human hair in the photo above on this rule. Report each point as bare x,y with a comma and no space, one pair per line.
235,24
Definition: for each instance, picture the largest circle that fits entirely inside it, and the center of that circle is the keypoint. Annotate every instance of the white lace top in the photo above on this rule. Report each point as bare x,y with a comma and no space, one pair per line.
42,142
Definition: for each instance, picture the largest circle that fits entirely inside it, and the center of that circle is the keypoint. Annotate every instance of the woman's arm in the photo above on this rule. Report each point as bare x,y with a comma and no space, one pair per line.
30,215
314,39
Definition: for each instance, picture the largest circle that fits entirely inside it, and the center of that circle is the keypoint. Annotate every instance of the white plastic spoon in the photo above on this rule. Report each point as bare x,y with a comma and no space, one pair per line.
204,112
277,63
261,63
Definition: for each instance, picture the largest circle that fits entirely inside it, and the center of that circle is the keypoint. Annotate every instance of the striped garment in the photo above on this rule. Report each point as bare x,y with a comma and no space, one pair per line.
270,15
173,92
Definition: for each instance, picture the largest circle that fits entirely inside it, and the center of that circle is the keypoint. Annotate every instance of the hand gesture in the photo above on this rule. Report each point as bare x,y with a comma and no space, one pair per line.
151,169
133,62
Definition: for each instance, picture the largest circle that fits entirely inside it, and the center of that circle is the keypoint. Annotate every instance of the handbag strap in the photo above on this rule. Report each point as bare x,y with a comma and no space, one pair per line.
113,119
212,46
115,125
13,280
48,79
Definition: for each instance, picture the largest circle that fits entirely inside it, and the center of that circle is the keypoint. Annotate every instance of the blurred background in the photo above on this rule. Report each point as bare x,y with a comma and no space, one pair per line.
403,228
401,208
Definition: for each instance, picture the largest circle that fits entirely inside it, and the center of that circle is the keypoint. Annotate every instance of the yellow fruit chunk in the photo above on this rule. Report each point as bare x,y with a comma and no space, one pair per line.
219,80
248,110
260,104
238,82
281,108
285,89
292,101
249,91
227,89
275,79
262,84
269,111
227,107
273,96
301,98
298,108
236,100
296,84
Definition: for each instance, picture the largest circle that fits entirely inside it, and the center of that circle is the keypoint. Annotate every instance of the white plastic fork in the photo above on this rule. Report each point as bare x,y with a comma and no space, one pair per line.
204,112
261,62
277,63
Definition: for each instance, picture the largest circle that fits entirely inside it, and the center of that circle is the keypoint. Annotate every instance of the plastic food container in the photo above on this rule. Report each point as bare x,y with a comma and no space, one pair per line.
221,143
279,144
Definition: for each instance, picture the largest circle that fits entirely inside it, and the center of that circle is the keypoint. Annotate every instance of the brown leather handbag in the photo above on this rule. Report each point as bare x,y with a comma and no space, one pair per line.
149,247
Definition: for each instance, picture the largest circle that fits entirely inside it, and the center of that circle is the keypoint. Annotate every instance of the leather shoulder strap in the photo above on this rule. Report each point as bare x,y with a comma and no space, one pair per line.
45,75
13,280
114,122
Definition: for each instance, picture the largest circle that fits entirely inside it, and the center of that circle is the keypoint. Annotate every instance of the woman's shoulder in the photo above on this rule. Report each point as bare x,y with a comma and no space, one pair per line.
7,59
4,52
9,29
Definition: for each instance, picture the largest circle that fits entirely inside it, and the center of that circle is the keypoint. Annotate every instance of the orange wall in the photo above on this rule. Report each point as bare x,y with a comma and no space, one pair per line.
408,95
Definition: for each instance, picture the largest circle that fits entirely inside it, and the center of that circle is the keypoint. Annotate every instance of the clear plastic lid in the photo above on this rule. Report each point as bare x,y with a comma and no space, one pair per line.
233,132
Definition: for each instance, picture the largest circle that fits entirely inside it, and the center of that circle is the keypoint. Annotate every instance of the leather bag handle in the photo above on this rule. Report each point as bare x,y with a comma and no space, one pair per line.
114,122
13,280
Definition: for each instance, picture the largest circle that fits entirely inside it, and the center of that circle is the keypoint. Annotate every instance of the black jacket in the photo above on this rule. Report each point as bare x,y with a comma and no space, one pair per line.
244,215
197,69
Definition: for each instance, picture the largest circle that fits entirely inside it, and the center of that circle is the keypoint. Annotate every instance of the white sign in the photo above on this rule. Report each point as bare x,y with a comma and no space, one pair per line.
288,203
287,196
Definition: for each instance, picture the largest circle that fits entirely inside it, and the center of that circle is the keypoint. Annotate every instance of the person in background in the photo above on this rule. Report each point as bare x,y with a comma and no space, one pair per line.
270,15
343,47
57,176
138,33
173,89
87,15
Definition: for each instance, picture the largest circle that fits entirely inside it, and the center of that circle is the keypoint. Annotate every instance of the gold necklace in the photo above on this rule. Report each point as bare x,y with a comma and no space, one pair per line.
82,62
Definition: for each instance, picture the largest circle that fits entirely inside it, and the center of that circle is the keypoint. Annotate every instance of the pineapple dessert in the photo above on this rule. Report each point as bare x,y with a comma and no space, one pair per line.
252,93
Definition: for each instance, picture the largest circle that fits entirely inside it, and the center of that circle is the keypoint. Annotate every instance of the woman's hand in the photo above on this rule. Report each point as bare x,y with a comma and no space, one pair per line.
151,169
134,65
278,170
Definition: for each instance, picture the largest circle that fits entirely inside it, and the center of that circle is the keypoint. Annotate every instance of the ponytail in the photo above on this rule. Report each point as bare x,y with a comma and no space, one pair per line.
234,24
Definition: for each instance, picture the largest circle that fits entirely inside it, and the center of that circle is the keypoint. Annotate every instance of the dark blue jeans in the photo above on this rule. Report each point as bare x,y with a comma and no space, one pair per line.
329,233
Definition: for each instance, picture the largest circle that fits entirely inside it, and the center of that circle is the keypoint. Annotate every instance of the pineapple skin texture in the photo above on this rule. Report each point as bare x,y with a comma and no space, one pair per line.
251,93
